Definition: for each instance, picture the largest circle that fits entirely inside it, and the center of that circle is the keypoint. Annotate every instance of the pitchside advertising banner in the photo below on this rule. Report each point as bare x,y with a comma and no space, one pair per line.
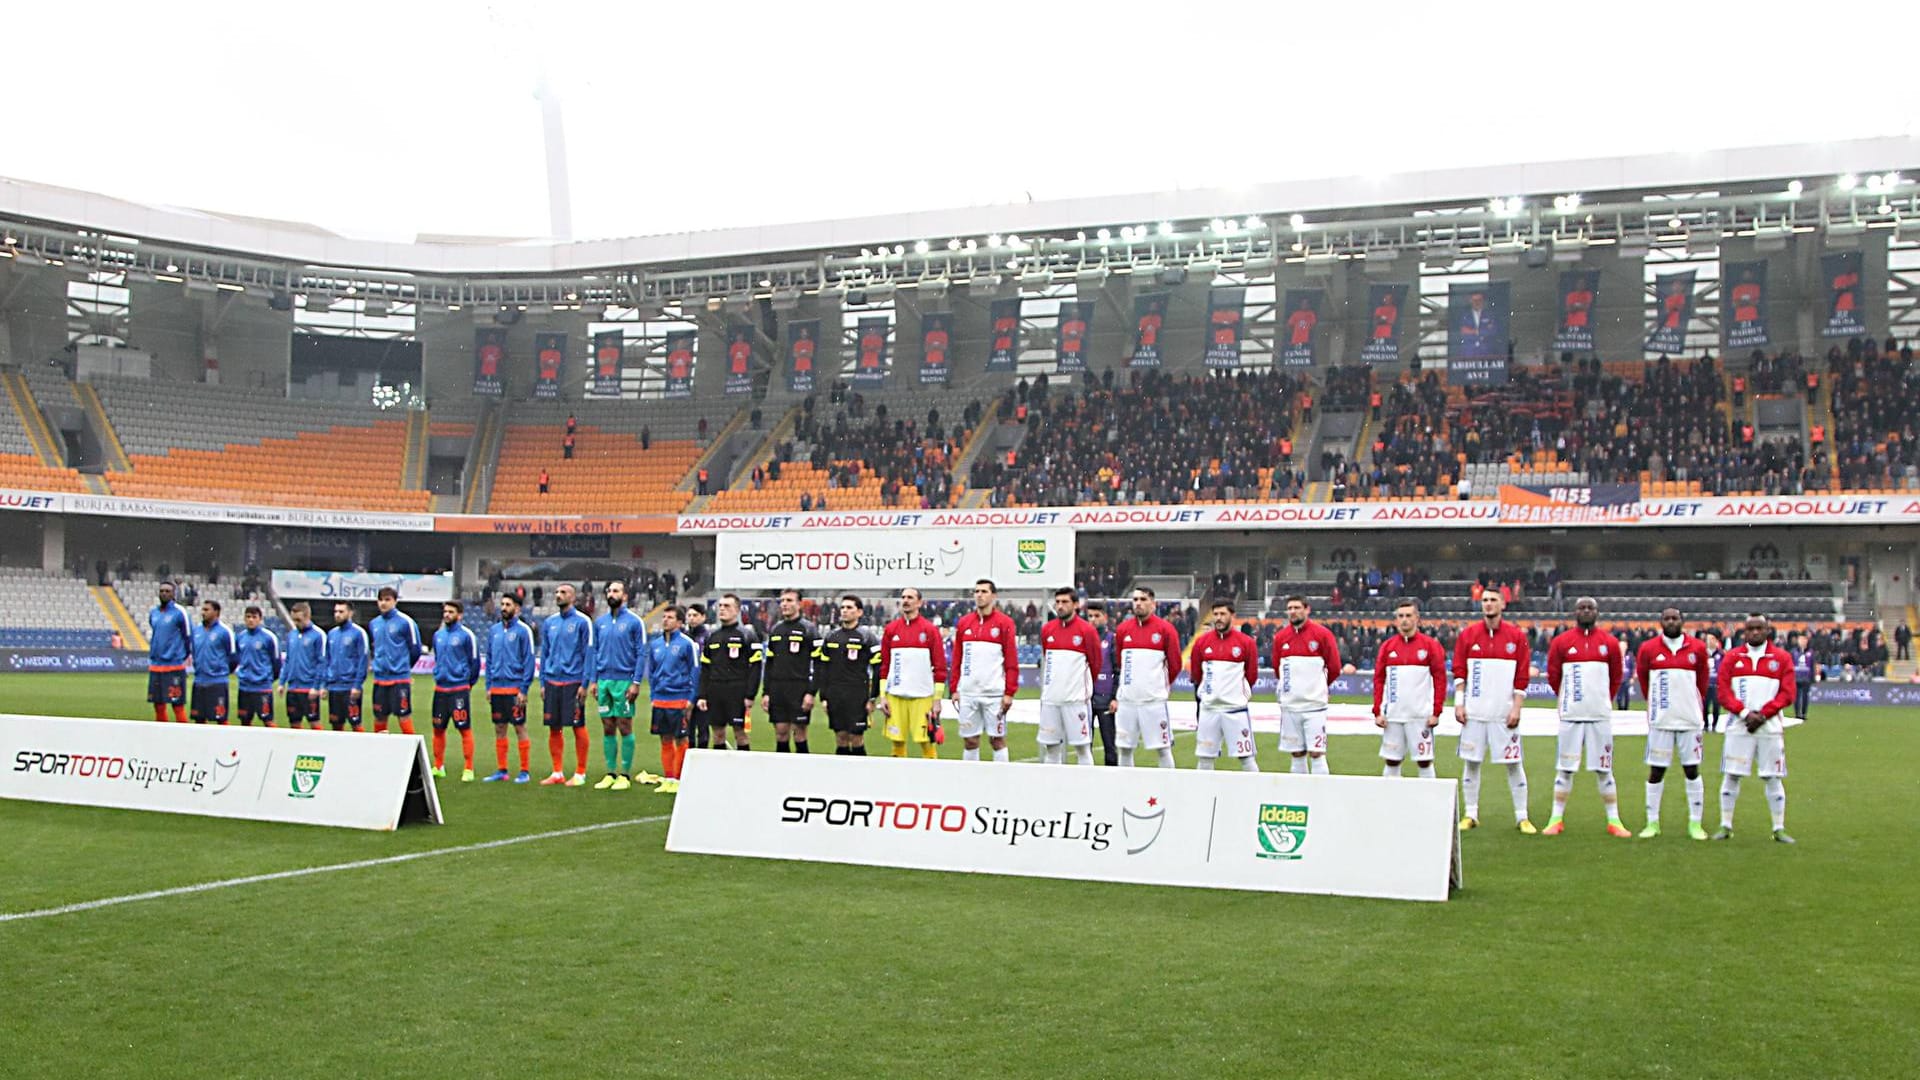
489,360
1003,341
1743,305
680,345
332,585
1475,514
1226,313
1076,324
1478,323
949,560
936,341
1271,832
870,350
1149,319
740,358
1385,303
1579,289
550,358
1673,312
609,349
1846,316
803,345
1302,318
264,774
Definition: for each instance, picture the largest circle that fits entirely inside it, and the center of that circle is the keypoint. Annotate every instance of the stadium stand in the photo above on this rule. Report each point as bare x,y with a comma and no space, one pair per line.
137,592
39,610
1159,438
211,443
892,451
22,462
628,458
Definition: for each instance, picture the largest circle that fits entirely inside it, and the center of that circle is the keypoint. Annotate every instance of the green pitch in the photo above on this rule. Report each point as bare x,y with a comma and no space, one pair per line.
596,954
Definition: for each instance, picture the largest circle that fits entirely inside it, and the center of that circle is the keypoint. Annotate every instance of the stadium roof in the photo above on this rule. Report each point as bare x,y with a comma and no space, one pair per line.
1342,196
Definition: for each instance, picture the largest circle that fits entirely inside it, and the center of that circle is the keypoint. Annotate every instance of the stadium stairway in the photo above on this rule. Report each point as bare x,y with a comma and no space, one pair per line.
130,630
761,455
413,470
982,436
32,421
483,459
89,400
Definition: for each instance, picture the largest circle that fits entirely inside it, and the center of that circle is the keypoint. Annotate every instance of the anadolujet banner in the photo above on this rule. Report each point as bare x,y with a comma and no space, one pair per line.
1275,832
928,559
350,780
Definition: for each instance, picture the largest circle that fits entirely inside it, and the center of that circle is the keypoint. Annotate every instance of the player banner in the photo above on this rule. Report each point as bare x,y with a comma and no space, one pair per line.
1478,315
680,346
947,559
870,350
936,342
1003,343
489,360
550,356
263,774
1387,303
1226,314
609,348
1302,317
740,357
1149,318
1076,324
803,342
1673,306
1743,305
1846,315
1578,291
1272,832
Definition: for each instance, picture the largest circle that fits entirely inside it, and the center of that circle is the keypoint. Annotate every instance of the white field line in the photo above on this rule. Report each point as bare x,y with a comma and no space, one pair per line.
282,875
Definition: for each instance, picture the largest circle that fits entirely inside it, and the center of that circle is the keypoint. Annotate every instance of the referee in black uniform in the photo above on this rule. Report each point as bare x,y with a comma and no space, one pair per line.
729,674
846,673
787,684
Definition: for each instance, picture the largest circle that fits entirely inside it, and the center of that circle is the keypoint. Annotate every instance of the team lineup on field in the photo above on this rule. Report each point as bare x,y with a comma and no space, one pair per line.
703,681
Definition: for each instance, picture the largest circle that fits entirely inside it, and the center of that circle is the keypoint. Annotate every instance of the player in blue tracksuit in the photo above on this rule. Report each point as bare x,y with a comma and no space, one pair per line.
169,638
214,653
348,653
566,663
619,667
258,665
304,672
396,646
509,673
673,669
456,664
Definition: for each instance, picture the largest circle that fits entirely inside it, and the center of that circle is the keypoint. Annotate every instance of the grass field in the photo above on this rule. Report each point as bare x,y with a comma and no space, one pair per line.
598,954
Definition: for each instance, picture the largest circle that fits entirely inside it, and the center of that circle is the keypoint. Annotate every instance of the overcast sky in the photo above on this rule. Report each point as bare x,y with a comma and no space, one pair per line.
388,120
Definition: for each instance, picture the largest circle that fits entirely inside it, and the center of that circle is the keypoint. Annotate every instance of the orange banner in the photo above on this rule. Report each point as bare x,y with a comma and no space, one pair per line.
646,524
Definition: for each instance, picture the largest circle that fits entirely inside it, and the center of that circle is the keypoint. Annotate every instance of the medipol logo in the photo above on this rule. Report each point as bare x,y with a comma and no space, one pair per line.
1032,555
1282,831
306,775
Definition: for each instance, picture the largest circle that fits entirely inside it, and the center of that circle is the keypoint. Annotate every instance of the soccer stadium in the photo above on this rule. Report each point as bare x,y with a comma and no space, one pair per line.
1048,635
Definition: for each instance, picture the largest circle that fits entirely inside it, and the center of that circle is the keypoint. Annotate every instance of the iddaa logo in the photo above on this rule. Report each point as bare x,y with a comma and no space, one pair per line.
1282,831
306,776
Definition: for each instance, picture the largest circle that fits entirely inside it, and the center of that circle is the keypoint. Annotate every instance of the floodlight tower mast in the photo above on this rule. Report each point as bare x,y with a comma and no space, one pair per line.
559,191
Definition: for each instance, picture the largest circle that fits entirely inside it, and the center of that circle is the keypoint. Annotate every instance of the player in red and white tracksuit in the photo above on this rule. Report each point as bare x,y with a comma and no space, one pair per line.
986,672
1585,670
1224,664
1672,670
1069,661
1147,650
1306,660
1409,691
1491,665
1755,687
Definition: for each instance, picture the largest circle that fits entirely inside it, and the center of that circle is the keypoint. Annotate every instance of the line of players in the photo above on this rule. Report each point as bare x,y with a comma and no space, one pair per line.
704,681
